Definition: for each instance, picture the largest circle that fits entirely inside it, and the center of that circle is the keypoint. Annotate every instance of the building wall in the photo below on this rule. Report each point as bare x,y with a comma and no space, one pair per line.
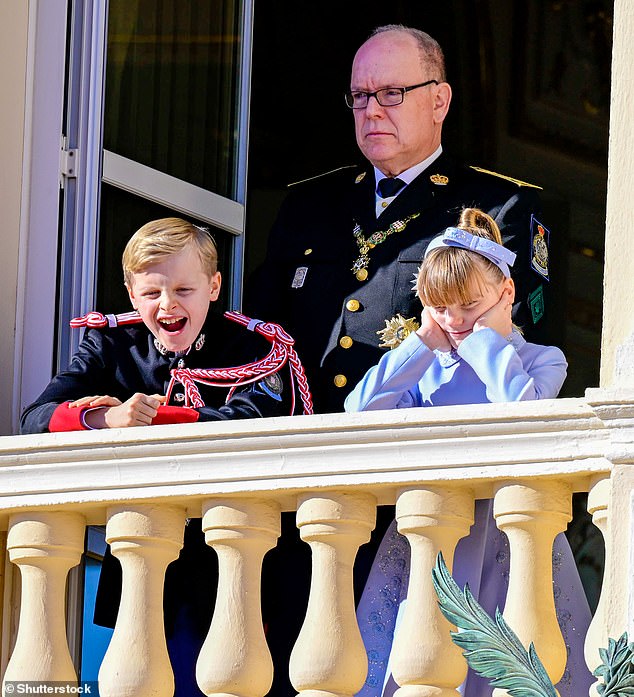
13,80
617,349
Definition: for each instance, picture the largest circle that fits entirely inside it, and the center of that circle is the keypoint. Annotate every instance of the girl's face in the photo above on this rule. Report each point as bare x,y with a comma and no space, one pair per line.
457,319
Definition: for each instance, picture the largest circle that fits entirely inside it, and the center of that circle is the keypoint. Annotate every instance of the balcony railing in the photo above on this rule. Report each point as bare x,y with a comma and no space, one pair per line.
333,470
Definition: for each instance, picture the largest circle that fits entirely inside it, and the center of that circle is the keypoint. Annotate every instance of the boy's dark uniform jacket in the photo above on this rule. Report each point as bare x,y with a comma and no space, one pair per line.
330,309
121,361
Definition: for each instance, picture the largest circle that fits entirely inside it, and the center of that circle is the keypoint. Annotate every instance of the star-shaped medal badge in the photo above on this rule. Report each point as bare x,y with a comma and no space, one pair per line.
396,330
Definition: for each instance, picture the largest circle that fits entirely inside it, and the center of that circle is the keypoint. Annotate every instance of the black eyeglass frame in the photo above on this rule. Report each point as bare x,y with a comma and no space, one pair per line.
349,96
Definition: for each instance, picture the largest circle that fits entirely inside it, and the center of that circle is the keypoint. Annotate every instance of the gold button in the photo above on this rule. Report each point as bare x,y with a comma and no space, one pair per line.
361,274
345,342
308,251
353,305
340,380
384,204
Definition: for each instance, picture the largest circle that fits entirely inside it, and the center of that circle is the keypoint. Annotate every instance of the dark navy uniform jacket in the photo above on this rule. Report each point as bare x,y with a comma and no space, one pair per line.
333,316
120,361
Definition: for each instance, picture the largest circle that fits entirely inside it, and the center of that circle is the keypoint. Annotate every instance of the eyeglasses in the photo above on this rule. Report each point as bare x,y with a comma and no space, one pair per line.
388,96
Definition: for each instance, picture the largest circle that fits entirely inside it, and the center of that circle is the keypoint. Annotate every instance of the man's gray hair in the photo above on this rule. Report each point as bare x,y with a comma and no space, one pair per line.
432,56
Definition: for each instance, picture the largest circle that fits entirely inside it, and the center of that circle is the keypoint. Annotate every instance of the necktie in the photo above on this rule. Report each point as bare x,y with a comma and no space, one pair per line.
390,186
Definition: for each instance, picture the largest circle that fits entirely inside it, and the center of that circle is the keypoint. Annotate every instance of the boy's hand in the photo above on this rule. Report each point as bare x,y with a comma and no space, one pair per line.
139,410
498,317
431,334
95,401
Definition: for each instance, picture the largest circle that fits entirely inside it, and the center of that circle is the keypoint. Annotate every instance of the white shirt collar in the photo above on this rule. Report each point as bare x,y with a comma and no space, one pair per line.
410,174
407,176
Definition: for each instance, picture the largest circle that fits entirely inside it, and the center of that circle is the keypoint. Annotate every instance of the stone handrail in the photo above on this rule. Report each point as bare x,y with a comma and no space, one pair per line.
332,469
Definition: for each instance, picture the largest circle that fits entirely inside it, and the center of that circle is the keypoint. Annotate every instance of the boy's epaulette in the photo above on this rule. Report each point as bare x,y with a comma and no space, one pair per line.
519,182
323,174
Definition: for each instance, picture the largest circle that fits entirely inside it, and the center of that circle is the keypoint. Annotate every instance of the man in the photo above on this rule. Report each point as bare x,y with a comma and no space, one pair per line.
343,252
343,255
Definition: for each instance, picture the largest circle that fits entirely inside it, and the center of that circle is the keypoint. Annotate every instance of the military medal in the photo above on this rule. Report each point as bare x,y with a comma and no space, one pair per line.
396,330
366,245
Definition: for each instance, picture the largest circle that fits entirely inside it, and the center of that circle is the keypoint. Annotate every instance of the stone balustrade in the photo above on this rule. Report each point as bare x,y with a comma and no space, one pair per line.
333,470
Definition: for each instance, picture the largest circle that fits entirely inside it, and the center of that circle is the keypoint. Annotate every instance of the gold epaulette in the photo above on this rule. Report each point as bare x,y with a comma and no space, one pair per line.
323,174
519,182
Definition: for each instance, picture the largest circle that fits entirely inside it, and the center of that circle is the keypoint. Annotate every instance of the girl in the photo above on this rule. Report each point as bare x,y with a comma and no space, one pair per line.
466,351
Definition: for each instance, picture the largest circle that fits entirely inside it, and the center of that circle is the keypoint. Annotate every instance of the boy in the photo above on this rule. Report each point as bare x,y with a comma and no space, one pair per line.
121,376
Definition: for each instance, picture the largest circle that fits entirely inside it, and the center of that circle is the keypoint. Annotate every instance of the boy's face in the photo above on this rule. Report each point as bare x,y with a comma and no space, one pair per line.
173,296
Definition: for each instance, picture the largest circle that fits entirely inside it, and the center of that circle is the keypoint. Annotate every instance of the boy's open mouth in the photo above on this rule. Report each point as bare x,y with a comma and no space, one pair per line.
173,325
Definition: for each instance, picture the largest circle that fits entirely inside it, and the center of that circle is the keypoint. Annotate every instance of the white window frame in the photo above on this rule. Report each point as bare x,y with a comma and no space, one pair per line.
38,235
43,311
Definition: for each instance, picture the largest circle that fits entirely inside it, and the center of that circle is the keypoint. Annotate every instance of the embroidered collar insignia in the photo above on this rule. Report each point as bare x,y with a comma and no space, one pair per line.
198,344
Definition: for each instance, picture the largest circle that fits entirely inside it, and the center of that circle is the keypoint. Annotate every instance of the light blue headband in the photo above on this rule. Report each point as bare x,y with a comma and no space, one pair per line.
494,252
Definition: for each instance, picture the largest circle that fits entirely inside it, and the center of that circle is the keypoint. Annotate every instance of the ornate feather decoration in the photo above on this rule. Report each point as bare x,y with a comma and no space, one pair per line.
490,646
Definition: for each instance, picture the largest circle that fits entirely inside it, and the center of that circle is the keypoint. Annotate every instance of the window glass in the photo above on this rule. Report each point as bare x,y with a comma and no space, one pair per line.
122,214
171,98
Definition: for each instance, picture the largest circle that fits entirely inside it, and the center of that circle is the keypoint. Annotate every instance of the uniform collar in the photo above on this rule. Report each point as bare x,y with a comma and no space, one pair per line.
410,174
197,345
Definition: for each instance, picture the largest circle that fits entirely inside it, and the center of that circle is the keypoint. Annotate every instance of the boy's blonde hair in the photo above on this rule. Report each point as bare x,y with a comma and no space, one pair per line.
452,275
161,238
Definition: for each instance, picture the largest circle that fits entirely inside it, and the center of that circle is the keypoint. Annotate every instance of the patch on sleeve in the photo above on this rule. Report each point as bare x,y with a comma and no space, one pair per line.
540,237
273,386
536,304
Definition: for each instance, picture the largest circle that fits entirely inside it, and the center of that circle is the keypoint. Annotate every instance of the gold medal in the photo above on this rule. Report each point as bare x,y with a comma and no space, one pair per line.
396,330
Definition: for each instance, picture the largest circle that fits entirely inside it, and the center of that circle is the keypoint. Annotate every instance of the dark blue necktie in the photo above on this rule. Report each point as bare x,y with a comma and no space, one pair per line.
390,186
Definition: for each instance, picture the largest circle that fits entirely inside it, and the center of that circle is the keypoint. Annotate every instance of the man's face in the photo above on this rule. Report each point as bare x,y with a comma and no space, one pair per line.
173,296
395,138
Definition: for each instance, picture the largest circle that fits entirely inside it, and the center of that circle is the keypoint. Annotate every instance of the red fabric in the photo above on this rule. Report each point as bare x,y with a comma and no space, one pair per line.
168,414
66,419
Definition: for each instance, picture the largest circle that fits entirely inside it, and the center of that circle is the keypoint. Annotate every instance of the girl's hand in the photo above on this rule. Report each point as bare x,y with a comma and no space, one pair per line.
498,317
431,334
139,410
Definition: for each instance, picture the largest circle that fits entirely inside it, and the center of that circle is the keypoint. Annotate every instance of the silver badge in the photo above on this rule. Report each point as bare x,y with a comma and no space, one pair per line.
299,277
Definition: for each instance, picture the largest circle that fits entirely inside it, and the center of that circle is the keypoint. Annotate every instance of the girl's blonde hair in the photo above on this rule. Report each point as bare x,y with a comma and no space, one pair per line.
452,275
161,238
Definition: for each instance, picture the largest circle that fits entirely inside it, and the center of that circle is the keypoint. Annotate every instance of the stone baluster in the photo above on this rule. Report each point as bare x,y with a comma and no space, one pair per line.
532,514
597,636
145,538
45,546
425,661
329,657
235,659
